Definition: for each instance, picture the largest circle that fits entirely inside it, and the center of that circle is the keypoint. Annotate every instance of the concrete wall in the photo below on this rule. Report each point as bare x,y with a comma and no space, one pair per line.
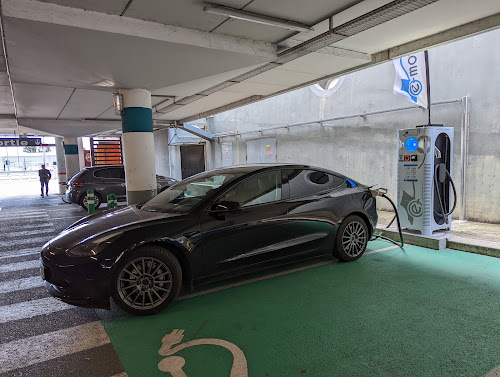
365,147
162,160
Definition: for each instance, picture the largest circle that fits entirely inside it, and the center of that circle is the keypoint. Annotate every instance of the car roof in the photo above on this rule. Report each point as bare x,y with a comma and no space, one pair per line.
245,169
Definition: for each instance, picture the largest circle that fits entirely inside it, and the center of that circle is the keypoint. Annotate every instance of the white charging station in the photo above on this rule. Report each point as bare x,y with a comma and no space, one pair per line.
425,163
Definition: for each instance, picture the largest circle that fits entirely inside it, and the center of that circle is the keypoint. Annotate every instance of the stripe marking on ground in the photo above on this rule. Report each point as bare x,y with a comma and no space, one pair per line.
19,253
384,249
36,349
25,241
30,309
28,233
20,284
18,266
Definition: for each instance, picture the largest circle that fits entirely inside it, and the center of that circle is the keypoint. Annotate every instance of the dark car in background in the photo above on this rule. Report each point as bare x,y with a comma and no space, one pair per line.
210,226
104,180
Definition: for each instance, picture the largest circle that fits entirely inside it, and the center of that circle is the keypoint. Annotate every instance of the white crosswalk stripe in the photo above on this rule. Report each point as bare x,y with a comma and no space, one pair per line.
20,284
24,241
36,349
16,227
25,233
29,309
19,216
19,266
17,253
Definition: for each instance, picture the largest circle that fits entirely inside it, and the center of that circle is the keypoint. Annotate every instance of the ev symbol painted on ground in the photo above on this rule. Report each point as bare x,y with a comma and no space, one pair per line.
174,364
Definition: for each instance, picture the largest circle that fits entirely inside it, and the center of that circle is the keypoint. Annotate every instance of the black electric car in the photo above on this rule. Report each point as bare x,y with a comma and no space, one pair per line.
214,224
104,180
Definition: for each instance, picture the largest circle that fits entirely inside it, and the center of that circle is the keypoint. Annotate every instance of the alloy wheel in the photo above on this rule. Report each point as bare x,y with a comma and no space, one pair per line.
144,283
354,238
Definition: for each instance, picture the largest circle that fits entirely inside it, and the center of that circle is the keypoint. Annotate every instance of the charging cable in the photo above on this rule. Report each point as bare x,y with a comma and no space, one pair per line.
382,192
443,173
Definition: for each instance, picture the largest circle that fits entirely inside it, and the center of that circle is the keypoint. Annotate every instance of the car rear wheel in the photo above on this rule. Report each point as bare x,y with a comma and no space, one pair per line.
352,238
146,281
97,200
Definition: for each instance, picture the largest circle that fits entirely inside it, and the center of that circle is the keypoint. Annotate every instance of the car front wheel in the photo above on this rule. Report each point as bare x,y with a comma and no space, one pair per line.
147,280
352,238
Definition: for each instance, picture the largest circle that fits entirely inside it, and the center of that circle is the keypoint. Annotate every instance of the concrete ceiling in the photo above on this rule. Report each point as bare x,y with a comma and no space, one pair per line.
66,57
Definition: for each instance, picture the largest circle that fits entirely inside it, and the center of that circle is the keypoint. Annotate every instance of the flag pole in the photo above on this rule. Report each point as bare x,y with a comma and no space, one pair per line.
426,55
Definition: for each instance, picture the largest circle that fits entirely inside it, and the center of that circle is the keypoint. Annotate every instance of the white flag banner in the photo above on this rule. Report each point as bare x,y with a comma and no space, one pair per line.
411,78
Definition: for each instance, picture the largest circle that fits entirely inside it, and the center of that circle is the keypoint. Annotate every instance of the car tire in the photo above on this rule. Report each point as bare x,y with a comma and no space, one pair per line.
97,201
352,238
147,280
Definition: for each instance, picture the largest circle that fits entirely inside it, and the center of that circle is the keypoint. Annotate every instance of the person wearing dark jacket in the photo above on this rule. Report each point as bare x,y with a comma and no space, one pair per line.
45,176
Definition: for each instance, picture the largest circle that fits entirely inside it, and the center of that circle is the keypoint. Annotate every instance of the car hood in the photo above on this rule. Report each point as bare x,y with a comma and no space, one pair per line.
105,223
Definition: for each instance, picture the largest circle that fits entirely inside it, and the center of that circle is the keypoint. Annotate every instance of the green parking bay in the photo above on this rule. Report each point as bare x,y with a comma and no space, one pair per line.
411,312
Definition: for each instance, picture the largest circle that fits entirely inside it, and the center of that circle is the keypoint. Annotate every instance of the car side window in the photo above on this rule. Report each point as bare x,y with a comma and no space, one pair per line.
107,173
258,189
305,182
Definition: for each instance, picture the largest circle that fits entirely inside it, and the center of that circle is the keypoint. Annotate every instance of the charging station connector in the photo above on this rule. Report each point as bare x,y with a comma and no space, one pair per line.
379,191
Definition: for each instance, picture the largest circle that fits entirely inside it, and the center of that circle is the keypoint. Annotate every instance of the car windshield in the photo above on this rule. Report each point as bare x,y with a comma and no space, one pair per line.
183,196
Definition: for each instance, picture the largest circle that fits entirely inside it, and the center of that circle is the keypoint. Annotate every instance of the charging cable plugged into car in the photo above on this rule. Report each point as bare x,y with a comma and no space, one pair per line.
382,192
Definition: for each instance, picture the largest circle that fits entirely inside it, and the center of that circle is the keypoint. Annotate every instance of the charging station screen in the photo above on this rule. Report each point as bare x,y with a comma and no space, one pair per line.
411,144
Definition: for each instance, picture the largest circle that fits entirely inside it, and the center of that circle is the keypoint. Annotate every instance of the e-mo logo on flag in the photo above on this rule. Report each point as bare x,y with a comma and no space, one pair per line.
411,78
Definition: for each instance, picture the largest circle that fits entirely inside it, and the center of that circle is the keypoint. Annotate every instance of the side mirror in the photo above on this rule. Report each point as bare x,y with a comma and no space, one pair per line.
225,206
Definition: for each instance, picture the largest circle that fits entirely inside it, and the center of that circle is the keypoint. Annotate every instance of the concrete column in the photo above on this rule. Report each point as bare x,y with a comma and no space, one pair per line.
138,145
81,153
71,156
61,165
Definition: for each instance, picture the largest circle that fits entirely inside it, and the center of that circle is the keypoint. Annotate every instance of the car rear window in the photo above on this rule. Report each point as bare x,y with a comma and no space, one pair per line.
305,182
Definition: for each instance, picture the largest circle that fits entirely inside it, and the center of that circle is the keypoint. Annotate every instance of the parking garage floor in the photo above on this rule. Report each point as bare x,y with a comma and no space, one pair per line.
395,312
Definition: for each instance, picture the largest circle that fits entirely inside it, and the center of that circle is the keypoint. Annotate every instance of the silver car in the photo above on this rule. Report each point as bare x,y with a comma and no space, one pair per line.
105,180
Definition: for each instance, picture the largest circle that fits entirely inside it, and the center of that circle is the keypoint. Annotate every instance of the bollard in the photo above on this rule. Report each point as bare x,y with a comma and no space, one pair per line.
112,203
90,200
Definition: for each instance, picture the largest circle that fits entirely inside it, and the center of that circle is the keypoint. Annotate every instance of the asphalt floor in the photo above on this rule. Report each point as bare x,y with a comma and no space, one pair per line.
394,312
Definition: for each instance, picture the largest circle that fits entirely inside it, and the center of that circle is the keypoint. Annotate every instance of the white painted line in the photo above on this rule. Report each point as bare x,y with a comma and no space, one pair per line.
68,217
122,374
494,373
7,215
30,309
384,249
19,266
6,228
24,241
18,253
37,349
256,279
20,284
28,233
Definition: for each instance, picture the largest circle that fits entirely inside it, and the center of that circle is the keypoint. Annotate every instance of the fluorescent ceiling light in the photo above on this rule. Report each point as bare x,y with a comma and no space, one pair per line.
255,17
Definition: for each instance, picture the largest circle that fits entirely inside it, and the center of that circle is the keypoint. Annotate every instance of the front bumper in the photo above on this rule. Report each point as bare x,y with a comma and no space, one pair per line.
72,195
83,283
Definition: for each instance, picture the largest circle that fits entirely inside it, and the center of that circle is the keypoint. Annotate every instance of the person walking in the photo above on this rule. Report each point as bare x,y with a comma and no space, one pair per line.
45,176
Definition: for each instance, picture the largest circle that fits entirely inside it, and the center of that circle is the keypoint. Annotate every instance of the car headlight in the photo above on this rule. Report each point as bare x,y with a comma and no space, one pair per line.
93,246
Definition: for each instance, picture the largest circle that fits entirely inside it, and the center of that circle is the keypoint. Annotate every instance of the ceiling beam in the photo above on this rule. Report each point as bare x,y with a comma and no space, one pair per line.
450,35
355,26
85,19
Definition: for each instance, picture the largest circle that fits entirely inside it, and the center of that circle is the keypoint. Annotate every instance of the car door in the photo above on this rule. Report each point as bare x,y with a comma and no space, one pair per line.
111,181
314,208
252,233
